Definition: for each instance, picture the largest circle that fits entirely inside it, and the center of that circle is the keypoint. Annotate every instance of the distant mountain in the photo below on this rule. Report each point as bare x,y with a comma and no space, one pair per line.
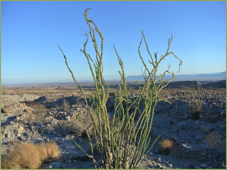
181,77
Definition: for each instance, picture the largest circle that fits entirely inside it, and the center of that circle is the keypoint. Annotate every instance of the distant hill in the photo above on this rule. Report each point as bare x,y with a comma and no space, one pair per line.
183,77
196,84
203,78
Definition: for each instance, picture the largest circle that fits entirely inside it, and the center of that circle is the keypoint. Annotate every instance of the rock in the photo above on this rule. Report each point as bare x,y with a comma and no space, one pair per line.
41,100
54,122
159,160
20,129
22,138
48,126
16,132
170,166
6,109
38,126
17,118
56,165
11,122
204,166
7,135
27,110
25,134
8,131
48,119
160,166
68,118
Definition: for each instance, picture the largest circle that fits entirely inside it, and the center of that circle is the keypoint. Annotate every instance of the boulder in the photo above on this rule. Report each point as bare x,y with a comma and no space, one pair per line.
27,110
6,109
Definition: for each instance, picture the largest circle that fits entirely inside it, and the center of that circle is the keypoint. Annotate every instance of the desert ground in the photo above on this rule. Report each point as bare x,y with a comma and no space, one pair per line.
47,113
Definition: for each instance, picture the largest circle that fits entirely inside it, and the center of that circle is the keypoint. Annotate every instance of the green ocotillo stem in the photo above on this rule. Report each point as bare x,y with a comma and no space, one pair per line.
123,141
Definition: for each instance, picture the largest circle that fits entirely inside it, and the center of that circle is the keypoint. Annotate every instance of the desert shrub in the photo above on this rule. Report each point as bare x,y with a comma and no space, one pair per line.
29,155
38,107
4,89
213,140
122,141
165,146
65,105
195,103
76,127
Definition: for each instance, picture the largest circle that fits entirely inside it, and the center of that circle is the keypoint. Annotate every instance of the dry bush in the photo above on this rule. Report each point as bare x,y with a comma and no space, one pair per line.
166,144
195,108
38,108
34,117
7,91
76,127
50,150
213,140
65,105
4,92
30,156
195,103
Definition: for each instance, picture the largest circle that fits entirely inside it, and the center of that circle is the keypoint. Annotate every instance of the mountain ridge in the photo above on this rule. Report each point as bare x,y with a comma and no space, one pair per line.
201,76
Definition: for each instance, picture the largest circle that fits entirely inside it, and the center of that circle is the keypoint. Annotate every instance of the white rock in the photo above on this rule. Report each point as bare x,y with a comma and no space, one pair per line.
54,122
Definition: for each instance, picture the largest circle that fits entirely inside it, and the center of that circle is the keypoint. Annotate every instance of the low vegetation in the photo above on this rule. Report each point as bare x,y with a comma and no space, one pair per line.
195,103
29,155
214,139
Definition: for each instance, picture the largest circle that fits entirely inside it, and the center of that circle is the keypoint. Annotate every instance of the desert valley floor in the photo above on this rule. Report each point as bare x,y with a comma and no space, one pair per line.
35,114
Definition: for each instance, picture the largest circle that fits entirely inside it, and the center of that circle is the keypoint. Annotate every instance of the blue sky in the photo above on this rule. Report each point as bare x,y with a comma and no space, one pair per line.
30,32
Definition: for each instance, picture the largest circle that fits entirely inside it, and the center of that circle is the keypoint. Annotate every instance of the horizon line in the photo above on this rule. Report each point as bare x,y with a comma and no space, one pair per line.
109,80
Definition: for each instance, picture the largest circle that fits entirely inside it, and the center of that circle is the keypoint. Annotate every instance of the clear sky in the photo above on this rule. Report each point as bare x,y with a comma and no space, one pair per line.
30,32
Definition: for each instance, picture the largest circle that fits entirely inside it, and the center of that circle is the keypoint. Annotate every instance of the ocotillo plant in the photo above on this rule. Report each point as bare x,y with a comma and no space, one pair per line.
122,142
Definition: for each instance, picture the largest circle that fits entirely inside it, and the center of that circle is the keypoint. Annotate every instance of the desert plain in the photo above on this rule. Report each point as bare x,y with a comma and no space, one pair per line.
46,112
